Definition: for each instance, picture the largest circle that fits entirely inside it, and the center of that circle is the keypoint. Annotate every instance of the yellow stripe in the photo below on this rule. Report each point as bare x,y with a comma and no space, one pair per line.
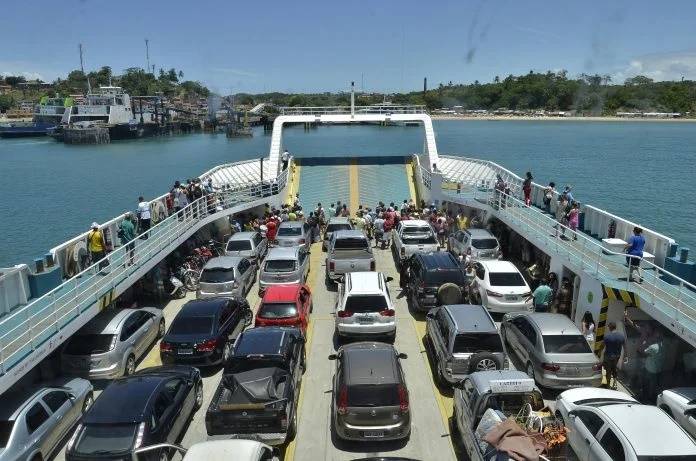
294,179
354,186
626,296
610,293
411,184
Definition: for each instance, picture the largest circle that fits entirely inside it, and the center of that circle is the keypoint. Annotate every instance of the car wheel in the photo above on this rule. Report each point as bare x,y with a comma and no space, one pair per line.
162,329
37,457
530,370
226,352
199,395
87,404
484,362
248,317
303,361
130,365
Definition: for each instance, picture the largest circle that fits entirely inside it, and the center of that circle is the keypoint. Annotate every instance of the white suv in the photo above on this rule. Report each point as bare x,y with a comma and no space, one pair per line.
500,287
364,307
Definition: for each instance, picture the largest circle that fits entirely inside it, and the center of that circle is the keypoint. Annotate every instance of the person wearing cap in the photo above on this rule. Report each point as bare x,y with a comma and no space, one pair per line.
96,245
126,232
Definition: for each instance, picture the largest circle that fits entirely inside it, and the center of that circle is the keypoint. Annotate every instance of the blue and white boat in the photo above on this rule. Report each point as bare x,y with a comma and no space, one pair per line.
46,118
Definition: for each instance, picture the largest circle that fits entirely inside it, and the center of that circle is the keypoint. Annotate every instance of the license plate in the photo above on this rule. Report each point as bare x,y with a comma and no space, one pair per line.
185,351
571,372
364,320
373,434
510,298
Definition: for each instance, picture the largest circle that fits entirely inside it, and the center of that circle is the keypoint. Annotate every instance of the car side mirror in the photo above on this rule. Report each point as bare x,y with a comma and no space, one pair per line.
430,315
402,355
572,413
389,279
333,356
72,397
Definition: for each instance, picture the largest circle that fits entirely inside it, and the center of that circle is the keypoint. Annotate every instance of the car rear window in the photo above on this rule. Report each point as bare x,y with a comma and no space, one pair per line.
185,325
416,230
280,265
89,344
378,395
98,439
5,432
566,344
290,231
484,244
365,303
419,239
506,279
337,227
238,245
442,276
471,343
277,310
217,275
353,243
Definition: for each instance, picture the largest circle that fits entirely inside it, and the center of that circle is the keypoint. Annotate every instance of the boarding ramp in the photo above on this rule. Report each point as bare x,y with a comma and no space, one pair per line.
323,180
383,179
32,331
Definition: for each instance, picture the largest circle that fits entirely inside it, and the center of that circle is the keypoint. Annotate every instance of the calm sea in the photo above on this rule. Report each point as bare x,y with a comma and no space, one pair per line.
642,171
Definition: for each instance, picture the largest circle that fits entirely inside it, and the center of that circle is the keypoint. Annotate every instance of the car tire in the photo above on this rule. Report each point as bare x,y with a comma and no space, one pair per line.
129,369
303,361
484,361
248,318
87,403
161,329
198,395
449,293
530,370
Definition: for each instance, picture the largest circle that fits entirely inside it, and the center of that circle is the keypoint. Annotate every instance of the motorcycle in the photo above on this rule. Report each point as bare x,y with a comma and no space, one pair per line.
383,238
178,290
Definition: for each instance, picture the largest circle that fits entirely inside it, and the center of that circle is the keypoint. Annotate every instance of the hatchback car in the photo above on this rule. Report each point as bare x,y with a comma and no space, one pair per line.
34,421
551,349
335,224
463,339
426,273
680,404
477,243
221,450
500,287
364,306
293,233
204,331
285,305
110,345
370,397
250,245
152,406
226,276
283,266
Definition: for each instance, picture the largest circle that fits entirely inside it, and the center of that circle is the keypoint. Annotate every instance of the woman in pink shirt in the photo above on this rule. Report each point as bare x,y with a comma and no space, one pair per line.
574,219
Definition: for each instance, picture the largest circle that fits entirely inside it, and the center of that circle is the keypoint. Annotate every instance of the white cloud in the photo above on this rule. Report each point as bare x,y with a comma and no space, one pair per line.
660,66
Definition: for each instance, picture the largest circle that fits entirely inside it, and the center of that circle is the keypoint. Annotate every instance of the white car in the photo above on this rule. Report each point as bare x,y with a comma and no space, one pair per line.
364,307
218,450
500,287
606,425
680,404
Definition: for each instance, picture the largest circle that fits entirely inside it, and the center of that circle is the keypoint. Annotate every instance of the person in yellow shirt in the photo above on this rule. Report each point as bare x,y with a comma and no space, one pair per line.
97,245
462,221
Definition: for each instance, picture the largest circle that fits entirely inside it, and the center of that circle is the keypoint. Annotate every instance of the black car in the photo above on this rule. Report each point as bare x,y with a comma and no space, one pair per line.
204,330
257,396
149,407
433,279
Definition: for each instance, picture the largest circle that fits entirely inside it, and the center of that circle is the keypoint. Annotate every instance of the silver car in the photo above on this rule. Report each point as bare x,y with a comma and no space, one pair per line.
111,343
293,233
250,245
551,349
34,421
226,276
283,266
478,243
335,224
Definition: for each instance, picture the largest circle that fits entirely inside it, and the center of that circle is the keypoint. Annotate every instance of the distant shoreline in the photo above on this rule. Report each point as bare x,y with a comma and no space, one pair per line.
529,118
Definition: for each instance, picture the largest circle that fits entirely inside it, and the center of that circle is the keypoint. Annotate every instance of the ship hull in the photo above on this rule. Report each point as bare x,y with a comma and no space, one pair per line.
129,131
26,131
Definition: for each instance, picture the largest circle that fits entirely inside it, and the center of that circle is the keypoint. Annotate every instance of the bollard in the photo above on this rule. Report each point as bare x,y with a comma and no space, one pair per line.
49,260
683,255
38,262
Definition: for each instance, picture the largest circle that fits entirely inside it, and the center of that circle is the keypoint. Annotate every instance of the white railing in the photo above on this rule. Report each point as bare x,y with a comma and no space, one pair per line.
32,325
386,109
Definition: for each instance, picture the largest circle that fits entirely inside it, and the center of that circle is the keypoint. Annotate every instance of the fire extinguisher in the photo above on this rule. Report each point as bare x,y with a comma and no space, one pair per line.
612,229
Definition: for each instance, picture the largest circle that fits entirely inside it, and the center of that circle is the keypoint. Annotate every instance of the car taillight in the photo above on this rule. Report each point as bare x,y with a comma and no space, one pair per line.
342,404
208,345
301,241
421,286
403,399
259,322
165,347
284,422
597,367
495,294
387,313
372,265
332,266
550,366
344,314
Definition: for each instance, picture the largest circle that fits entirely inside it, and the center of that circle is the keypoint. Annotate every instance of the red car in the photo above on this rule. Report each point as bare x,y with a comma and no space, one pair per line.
285,305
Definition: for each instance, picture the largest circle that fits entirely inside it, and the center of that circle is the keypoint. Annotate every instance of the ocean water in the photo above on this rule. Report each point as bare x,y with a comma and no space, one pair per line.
639,170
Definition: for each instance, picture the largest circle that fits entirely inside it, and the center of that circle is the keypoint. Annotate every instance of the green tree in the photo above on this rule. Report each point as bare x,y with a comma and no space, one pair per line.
6,102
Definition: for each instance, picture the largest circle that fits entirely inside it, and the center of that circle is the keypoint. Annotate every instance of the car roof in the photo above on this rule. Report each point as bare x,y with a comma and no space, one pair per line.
137,390
246,235
281,293
370,363
223,262
479,232
555,324
282,253
203,307
364,282
349,233
687,393
106,322
338,220
414,223
594,395
264,340
482,379
640,423
14,402
438,260
223,450
291,224
494,265
470,318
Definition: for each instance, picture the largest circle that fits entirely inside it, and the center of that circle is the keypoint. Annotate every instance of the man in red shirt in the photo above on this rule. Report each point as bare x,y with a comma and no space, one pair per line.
271,229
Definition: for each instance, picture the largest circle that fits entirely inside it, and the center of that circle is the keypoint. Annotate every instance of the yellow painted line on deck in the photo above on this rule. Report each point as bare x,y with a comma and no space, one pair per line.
354,185
411,183
152,359
294,187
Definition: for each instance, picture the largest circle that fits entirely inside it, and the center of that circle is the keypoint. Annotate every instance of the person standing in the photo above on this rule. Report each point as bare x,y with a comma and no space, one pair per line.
653,367
462,221
144,216
331,211
634,249
548,196
574,219
126,232
285,158
527,188
588,327
614,343
542,295
97,246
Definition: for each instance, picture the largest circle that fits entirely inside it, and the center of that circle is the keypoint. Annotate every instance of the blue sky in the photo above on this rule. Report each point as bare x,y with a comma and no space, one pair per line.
302,46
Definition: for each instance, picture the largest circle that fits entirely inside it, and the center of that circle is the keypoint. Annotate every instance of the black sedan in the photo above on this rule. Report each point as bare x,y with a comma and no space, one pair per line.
204,330
149,407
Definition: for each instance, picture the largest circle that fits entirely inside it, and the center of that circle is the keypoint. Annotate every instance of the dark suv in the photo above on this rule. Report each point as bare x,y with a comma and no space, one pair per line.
433,279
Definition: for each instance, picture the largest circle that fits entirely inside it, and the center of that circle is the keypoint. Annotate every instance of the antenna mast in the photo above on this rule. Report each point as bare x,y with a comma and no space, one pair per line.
82,65
147,54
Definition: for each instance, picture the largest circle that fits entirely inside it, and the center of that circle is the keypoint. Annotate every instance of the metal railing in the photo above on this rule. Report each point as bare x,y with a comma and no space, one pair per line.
334,110
30,326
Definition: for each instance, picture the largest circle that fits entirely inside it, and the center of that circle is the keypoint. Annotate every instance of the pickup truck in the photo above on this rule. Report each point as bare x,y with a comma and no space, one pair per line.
504,391
413,236
349,251
257,396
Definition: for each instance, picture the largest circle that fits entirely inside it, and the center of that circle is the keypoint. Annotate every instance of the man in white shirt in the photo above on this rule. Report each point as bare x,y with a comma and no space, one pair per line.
285,158
143,215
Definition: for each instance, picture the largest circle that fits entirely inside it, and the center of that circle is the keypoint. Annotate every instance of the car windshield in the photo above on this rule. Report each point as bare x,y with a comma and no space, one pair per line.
5,432
104,439
365,303
484,244
280,265
471,343
353,243
442,276
89,344
419,239
289,231
185,325
218,275
566,344
337,227
415,230
376,395
238,245
506,279
277,310
510,404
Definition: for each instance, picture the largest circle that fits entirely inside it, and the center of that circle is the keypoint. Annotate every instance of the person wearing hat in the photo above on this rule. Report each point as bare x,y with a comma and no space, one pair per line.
126,232
96,245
